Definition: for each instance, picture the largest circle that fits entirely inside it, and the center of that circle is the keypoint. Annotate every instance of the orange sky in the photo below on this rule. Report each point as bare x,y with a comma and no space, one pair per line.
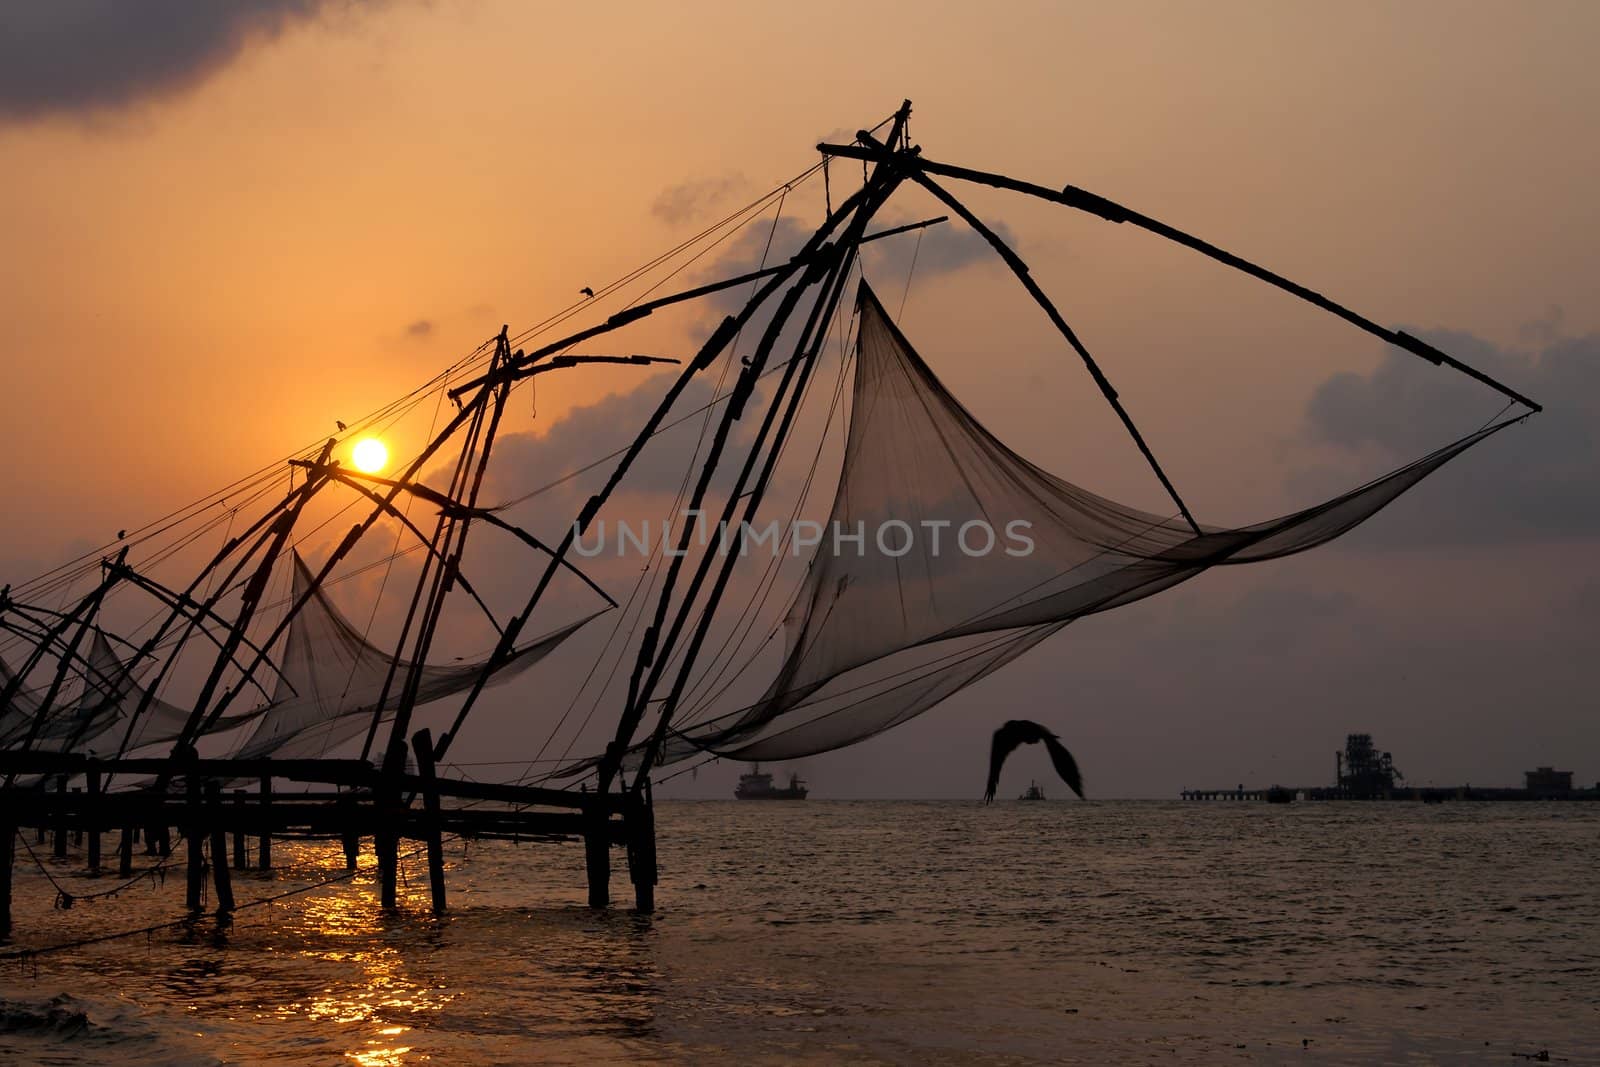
206,277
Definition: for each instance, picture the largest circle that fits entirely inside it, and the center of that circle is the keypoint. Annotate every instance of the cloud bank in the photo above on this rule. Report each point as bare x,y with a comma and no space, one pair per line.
83,57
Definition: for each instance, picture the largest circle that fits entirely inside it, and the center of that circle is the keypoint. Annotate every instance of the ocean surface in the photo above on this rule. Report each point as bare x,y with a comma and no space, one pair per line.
870,932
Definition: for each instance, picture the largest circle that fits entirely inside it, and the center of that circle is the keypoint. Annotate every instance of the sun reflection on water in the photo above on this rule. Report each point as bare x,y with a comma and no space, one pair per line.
381,977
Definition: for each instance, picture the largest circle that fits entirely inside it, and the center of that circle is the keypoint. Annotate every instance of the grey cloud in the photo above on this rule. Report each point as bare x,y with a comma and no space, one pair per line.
420,329
68,57
943,249
695,199
1533,481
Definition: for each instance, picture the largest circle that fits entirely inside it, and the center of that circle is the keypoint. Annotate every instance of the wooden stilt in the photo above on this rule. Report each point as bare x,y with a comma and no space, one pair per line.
422,745
8,851
351,837
197,864
597,852
386,840
264,849
219,849
241,857
92,776
125,852
641,827
77,831
59,848
164,841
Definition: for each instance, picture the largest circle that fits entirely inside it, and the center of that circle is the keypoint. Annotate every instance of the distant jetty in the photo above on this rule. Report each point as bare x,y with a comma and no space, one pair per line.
1363,773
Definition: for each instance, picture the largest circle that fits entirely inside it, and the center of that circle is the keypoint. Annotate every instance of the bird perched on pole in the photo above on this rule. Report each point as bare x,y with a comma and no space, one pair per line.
1022,732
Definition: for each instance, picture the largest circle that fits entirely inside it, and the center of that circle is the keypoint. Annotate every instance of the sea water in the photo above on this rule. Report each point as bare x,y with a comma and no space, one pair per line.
867,932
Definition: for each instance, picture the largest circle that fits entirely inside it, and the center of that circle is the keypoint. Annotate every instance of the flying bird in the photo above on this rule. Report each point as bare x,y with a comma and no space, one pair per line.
1022,732
588,292
339,424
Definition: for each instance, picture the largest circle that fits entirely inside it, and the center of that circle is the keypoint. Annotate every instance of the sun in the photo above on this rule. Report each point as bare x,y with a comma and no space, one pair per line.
369,455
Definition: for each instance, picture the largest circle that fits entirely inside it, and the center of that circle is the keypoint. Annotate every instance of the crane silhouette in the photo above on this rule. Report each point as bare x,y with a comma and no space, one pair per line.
1023,732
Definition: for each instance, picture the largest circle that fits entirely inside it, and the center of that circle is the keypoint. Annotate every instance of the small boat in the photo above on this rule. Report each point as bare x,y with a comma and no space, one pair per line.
1033,793
758,786
1280,795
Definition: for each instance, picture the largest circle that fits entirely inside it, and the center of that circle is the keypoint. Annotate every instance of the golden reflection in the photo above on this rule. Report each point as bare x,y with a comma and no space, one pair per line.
372,987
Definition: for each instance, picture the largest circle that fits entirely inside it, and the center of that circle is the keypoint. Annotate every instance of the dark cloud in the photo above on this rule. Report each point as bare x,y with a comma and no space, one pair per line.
1533,481
420,329
943,249
696,199
68,57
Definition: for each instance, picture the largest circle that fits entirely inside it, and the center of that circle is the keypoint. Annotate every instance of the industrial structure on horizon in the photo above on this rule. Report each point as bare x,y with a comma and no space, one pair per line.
1361,772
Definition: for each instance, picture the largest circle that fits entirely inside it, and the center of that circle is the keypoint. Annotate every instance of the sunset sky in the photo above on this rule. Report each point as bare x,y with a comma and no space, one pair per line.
227,225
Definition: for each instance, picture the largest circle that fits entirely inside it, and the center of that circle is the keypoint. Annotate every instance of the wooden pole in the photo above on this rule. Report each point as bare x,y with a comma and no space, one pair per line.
92,775
422,744
597,852
264,849
77,831
352,838
125,852
60,846
8,851
241,856
641,820
197,864
219,849
386,840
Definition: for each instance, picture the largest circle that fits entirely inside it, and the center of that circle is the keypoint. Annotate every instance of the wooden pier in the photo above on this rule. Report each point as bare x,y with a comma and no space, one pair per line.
345,799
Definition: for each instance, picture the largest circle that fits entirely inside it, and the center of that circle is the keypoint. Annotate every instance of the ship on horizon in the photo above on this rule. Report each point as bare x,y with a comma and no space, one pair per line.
757,785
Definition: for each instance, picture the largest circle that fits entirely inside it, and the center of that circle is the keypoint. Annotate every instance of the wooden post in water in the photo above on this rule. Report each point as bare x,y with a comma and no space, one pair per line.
197,863
640,818
219,849
125,852
8,852
264,849
351,836
60,846
386,838
241,857
422,745
92,776
597,850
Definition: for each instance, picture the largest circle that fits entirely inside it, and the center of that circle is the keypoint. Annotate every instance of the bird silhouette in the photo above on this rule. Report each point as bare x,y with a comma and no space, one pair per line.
1022,732
588,292
339,424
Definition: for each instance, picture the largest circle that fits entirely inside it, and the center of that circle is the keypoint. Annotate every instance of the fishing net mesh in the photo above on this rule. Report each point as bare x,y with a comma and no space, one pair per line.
955,555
